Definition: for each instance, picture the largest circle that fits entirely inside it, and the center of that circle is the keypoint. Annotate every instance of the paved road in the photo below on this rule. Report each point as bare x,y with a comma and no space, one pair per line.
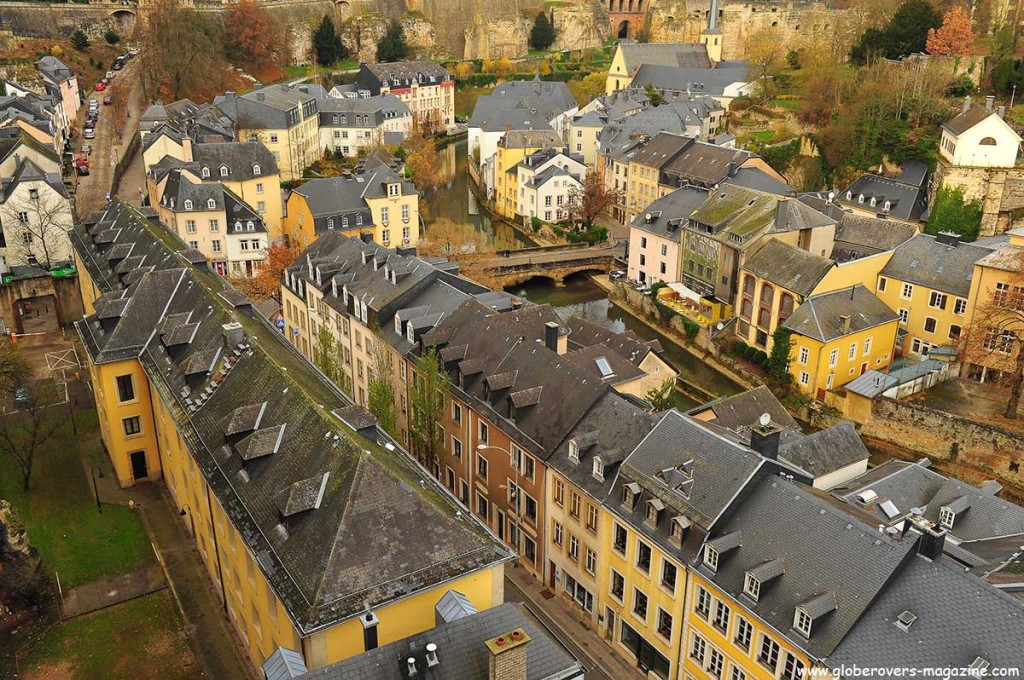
109,140
567,256
540,619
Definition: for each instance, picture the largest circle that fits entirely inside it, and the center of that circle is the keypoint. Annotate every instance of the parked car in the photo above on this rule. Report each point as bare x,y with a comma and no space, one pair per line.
87,148
93,105
617,274
107,99
90,133
118,63
100,86
133,51
110,76
21,396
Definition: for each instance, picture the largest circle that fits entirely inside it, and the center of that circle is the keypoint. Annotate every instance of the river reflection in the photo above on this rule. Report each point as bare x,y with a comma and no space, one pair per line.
455,201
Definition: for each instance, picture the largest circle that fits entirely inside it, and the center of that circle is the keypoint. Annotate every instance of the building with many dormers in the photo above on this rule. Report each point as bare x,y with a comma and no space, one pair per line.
284,502
426,88
356,122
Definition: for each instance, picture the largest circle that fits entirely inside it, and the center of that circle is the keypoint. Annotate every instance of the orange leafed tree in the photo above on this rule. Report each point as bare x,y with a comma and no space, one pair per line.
954,37
266,283
250,35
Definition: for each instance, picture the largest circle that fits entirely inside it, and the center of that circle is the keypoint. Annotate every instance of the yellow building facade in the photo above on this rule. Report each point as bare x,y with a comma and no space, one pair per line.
838,336
512,149
723,640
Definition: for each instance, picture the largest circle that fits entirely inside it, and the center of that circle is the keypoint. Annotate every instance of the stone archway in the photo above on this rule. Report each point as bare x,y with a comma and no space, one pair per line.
123,20
623,31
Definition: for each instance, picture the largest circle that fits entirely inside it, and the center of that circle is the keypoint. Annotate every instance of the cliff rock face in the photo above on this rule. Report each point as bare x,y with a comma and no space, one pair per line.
580,26
362,33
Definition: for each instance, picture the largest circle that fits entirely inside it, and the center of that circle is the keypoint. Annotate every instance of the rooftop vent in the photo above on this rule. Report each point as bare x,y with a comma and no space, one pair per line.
905,620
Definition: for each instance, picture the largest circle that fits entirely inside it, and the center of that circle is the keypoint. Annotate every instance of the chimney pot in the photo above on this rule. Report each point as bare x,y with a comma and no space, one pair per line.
412,665
931,543
967,104
765,439
845,320
989,101
551,330
1001,112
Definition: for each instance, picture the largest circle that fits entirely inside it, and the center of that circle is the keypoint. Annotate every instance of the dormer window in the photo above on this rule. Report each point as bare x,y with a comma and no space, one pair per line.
223,171
630,495
654,508
330,223
256,169
679,526
394,189
249,226
205,173
947,517
802,622
873,201
598,468
860,198
752,587
238,226
711,557
359,220
410,333
574,451
398,324
344,223
886,206
211,204
849,195
188,204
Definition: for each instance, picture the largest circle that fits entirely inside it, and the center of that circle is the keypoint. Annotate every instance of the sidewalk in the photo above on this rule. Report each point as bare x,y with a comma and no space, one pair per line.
597,650
206,622
107,592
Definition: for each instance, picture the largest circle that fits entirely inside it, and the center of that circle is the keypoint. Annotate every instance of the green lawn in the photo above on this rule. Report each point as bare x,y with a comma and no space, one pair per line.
139,639
762,135
60,513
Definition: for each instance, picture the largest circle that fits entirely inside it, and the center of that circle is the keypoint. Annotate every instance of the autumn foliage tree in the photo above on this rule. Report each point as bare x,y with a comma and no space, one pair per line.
954,37
250,36
591,200
422,161
266,283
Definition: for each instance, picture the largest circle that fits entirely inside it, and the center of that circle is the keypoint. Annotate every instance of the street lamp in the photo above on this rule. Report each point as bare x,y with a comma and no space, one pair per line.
515,466
96,472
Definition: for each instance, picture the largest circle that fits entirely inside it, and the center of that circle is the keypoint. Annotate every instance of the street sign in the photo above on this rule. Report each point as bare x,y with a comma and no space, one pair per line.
280,323
295,332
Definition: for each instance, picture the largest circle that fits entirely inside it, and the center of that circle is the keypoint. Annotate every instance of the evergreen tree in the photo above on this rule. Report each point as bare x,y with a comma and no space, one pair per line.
80,41
392,47
327,44
952,213
542,35
906,33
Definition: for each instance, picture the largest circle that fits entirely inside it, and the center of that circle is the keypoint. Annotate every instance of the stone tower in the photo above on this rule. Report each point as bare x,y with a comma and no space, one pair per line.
711,36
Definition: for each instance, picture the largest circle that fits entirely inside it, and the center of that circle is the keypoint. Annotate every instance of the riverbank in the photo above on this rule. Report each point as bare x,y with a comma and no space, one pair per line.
704,355
532,237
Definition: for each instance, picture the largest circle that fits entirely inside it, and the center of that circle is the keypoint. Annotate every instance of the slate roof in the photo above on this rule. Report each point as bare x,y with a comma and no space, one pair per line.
859,236
238,157
583,333
337,197
461,652
965,120
273,107
54,69
670,213
371,509
855,566
824,451
925,261
789,267
709,81
381,108
619,369
906,202
179,189
741,411
911,486
401,74
502,342
703,164
736,215
610,429
689,55
819,316
530,139
959,618
522,103
756,178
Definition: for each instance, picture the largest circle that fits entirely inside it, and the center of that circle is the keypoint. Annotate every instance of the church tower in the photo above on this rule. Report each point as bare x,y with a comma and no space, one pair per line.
711,36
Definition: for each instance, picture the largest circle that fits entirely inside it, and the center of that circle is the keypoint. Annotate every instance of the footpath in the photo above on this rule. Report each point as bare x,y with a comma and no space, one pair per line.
587,641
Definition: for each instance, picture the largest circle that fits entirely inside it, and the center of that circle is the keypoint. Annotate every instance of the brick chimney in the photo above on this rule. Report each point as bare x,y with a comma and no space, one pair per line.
553,340
765,436
508,656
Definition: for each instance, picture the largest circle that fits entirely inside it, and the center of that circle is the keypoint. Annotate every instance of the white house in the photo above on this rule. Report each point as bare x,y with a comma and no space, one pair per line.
548,180
35,219
357,120
979,137
518,105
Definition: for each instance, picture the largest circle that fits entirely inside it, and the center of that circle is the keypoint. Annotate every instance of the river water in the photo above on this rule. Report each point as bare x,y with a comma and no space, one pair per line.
579,297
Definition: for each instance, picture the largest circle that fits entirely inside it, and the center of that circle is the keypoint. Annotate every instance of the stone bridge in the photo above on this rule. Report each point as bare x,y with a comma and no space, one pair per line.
552,263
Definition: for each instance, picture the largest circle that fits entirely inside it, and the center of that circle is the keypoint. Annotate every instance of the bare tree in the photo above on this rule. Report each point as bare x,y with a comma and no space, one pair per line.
996,338
39,219
14,369
24,434
183,48
592,199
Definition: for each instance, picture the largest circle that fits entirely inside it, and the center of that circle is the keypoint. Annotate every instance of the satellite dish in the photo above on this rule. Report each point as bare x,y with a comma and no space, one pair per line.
720,325
831,196
765,420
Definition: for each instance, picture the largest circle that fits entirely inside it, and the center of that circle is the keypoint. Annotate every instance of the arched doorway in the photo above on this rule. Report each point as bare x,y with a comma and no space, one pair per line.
623,31
343,9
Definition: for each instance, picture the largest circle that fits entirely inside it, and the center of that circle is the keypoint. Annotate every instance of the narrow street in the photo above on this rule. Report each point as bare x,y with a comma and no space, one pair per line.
109,141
